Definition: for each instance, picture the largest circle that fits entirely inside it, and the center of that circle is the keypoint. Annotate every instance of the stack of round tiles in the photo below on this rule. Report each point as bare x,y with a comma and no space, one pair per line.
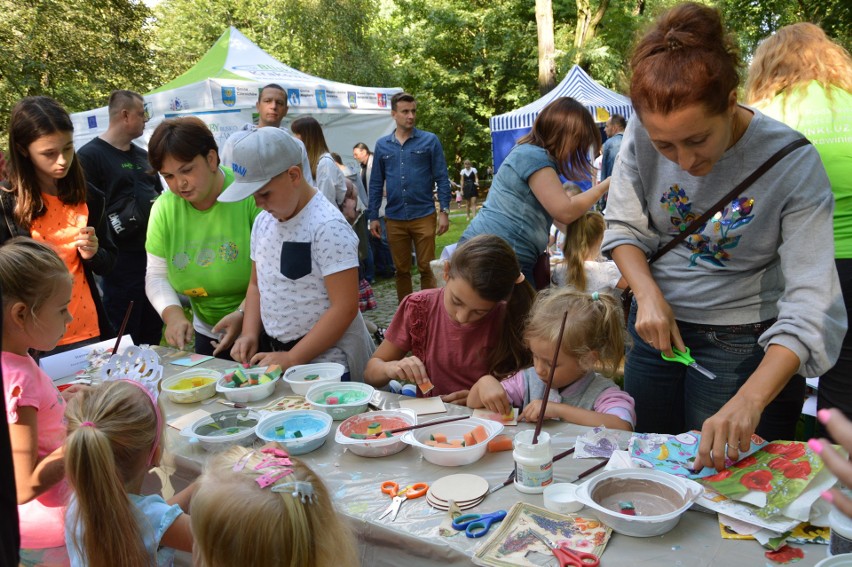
466,490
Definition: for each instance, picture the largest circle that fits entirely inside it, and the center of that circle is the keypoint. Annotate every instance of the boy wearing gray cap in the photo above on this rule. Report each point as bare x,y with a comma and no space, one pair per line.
304,284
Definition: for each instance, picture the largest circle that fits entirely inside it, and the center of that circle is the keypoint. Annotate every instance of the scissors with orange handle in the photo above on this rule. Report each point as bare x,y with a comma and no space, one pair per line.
410,492
566,556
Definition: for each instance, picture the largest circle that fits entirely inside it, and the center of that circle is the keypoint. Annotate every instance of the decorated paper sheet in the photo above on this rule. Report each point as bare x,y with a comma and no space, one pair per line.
599,443
675,454
514,544
770,479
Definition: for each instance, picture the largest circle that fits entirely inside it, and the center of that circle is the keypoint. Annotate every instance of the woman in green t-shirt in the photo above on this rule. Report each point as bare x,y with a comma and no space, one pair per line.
196,245
802,78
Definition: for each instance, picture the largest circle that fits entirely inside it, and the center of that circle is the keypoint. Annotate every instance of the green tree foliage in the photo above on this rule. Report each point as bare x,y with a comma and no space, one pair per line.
328,38
465,61
76,51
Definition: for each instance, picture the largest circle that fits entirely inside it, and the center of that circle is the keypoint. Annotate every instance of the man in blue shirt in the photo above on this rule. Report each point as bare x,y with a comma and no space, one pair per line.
408,163
614,133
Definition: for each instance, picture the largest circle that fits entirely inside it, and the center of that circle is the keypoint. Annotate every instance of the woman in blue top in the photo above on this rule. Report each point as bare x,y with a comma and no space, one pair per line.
526,196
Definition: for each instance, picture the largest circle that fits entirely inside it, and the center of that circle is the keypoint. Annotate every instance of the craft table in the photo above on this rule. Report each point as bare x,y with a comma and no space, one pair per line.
412,540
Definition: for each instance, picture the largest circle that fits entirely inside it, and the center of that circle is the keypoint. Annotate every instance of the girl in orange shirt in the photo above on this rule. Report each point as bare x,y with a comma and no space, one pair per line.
47,197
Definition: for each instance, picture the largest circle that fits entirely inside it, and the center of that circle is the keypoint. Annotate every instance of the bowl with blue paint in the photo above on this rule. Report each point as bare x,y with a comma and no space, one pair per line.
218,431
299,431
340,400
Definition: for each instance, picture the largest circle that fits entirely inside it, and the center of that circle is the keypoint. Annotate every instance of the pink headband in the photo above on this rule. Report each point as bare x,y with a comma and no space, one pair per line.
156,412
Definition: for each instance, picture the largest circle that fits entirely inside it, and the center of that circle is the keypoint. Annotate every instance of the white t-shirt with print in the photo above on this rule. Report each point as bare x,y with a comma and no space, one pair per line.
292,257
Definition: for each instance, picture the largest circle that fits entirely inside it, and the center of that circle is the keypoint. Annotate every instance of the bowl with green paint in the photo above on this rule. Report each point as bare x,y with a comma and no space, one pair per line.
218,431
340,399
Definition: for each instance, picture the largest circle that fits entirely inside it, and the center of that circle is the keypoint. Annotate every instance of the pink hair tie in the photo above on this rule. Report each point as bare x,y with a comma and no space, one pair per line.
87,424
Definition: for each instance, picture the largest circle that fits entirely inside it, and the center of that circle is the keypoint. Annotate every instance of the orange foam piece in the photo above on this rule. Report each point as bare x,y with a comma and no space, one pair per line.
456,443
479,433
445,446
431,443
440,437
469,439
500,443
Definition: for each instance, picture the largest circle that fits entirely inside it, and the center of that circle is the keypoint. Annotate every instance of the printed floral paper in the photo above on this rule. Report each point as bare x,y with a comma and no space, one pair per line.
771,478
513,544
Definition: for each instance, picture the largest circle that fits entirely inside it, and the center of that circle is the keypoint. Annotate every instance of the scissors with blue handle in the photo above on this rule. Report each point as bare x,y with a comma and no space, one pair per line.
410,492
684,357
477,525
566,556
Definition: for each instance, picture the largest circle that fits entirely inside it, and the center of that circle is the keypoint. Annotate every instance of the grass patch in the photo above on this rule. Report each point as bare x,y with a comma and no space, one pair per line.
458,223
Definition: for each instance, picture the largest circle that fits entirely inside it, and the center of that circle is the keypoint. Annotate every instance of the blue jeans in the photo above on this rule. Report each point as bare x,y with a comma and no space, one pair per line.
673,398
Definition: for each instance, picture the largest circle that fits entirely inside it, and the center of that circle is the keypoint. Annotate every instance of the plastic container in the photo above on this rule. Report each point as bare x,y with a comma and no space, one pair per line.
533,463
453,457
313,425
247,393
326,371
841,533
220,430
562,498
194,394
361,392
379,446
844,560
649,490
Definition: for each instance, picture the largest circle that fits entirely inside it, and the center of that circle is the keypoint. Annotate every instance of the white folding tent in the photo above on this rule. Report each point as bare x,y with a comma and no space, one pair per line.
600,102
222,90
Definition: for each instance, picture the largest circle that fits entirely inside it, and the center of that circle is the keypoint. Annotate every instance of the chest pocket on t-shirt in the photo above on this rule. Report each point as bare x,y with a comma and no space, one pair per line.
296,260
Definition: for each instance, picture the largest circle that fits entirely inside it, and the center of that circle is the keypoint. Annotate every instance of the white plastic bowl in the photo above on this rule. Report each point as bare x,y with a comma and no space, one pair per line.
243,421
316,423
327,372
318,392
191,395
638,485
247,393
457,429
561,497
378,446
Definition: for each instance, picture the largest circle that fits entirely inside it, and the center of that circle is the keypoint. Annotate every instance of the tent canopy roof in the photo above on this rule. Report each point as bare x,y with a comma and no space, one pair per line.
577,85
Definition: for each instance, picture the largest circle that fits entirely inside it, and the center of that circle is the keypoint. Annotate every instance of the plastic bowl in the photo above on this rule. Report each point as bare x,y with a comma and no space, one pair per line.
318,394
192,394
377,446
562,498
659,500
220,430
454,430
247,393
314,427
326,372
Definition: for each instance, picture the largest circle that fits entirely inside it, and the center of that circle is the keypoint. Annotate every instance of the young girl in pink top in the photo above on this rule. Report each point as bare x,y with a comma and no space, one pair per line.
36,290
594,337
459,333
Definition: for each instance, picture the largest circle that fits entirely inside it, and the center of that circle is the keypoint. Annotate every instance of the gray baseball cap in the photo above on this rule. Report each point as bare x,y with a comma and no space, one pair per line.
258,156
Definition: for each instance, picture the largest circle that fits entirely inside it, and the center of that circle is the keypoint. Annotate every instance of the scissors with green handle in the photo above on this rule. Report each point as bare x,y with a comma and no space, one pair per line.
685,358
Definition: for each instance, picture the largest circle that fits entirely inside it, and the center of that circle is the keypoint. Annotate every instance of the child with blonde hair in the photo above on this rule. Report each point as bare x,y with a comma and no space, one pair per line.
593,338
582,267
36,289
263,507
114,436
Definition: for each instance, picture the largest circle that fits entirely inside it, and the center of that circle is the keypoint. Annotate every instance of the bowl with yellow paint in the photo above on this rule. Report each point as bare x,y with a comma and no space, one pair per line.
191,386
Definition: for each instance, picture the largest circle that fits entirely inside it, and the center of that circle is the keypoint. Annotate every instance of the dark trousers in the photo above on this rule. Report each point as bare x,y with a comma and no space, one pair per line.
834,386
124,284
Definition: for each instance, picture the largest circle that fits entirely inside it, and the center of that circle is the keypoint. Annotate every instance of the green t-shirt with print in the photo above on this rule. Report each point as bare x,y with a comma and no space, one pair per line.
826,120
208,253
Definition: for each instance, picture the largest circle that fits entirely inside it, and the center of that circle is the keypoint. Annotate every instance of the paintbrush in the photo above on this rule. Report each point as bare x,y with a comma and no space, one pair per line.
590,470
511,477
410,427
549,380
123,327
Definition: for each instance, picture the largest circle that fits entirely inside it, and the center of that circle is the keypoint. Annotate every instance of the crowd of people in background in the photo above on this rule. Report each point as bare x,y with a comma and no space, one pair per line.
263,251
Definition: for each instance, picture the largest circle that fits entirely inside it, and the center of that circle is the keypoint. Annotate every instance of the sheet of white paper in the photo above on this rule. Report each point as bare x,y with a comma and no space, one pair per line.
739,526
620,460
424,406
599,443
72,361
188,419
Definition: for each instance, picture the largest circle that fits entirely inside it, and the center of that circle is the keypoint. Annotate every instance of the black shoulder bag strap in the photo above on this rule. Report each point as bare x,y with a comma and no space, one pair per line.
627,297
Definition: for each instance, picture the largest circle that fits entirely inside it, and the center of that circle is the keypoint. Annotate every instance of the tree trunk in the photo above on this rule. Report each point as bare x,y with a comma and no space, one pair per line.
588,20
546,48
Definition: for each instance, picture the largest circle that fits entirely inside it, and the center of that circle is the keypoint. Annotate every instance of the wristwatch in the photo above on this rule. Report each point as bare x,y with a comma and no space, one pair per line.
445,211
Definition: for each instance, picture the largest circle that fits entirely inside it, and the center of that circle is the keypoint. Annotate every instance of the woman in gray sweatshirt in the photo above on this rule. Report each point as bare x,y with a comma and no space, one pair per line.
754,292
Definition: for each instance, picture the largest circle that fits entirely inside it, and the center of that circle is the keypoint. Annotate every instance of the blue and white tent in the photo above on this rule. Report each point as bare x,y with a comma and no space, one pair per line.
601,102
